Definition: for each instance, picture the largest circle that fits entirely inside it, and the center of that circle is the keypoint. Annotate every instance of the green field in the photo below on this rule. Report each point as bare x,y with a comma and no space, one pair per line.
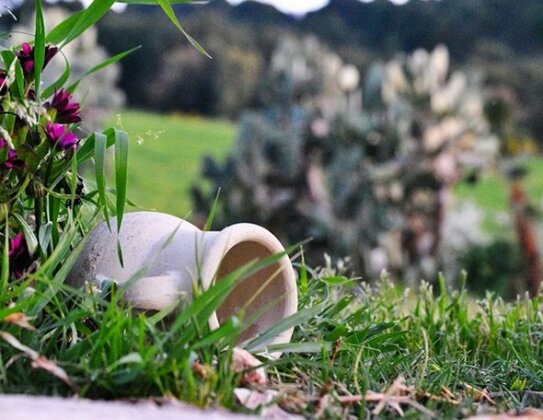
358,351
492,192
166,153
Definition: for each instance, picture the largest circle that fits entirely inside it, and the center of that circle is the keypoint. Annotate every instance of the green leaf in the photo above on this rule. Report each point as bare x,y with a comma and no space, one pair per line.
229,329
86,151
100,147
102,65
56,85
54,210
12,64
313,347
61,31
300,317
7,57
131,358
75,25
31,240
155,2
208,302
19,79
212,212
39,47
167,7
361,337
338,280
45,235
63,256
4,276
73,182
121,170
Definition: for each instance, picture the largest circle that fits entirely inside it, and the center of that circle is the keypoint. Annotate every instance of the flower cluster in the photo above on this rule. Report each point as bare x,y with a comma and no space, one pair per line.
37,143
26,57
41,192
12,161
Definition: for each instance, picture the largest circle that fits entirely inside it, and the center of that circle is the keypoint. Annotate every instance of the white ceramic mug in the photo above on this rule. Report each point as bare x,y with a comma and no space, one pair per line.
163,256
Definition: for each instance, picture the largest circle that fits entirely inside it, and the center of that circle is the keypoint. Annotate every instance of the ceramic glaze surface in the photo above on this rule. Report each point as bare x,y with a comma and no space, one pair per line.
163,254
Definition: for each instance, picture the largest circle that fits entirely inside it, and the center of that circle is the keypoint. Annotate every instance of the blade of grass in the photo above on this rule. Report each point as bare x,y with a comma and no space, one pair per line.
168,10
292,321
57,84
75,25
121,176
209,300
121,169
100,147
154,2
39,48
315,347
64,256
7,58
212,212
19,79
229,329
5,258
30,237
86,151
213,300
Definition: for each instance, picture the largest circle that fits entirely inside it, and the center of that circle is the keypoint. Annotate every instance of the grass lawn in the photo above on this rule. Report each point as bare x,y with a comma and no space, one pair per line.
358,350
165,156
492,192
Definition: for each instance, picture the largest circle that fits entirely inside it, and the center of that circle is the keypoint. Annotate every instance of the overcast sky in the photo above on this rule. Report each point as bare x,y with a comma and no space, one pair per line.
297,7
300,7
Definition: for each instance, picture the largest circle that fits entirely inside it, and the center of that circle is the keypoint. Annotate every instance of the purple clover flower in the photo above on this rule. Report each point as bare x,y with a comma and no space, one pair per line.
57,134
19,257
13,161
67,111
26,57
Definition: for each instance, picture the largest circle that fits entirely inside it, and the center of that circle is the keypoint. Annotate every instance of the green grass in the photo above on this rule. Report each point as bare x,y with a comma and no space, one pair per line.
350,339
165,156
492,192
453,354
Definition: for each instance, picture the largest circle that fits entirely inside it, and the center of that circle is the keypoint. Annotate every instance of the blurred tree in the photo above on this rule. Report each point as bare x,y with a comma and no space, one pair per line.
180,79
237,76
373,184
138,26
183,82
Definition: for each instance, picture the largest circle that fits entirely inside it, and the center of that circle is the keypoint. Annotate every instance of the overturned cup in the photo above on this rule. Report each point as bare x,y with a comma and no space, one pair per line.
164,255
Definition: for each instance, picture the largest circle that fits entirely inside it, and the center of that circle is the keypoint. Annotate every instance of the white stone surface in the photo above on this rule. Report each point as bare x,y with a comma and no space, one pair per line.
24,407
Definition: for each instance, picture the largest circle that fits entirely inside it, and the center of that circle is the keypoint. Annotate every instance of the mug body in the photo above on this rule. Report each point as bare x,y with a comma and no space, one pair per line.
163,256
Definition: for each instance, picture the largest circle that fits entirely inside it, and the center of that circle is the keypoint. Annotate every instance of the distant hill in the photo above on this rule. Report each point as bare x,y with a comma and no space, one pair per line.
386,27
502,38
424,23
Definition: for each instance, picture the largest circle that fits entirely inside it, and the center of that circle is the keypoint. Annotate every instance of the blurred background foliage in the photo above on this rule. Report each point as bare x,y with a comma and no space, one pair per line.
405,138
